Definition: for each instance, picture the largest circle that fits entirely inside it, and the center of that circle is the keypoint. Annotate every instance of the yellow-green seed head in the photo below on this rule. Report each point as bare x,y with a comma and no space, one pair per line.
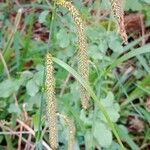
83,60
117,8
51,103
60,2
71,131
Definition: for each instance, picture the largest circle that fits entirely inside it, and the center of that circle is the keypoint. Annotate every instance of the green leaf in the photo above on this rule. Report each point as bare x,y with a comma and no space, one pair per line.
145,113
113,112
43,15
133,53
108,100
39,1
38,78
88,140
63,38
65,53
26,75
135,6
116,46
146,1
8,87
94,52
139,91
32,88
87,120
74,92
102,134
103,46
36,122
114,146
111,107
123,133
34,100
14,109
143,62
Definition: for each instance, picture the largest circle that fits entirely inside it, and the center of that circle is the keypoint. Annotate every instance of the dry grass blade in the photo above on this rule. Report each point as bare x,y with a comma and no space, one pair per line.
14,30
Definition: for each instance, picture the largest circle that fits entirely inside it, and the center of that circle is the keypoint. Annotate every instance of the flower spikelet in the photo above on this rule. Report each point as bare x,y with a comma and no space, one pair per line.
51,103
83,60
117,8
71,131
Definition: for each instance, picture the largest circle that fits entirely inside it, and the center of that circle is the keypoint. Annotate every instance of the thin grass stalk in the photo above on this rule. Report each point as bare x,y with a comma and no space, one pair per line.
14,30
117,8
51,103
6,50
8,75
83,60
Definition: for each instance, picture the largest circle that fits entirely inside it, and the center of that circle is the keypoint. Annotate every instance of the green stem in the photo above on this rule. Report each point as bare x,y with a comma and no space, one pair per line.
38,138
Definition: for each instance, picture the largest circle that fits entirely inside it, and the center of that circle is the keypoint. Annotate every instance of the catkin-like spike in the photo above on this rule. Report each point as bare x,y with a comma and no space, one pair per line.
83,60
117,8
71,131
51,103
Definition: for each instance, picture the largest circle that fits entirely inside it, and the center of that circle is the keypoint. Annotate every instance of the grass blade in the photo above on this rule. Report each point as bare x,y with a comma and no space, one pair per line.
92,94
127,138
133,53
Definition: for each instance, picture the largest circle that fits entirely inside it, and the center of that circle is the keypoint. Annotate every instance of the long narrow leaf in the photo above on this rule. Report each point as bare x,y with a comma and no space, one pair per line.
133,53
92,94
127,138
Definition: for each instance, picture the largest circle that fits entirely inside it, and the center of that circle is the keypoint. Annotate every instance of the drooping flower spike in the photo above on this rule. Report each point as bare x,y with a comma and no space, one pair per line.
83,60
117,8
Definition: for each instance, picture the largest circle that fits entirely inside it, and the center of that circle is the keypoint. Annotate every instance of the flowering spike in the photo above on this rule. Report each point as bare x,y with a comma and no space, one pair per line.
83,60
51,103
117,8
